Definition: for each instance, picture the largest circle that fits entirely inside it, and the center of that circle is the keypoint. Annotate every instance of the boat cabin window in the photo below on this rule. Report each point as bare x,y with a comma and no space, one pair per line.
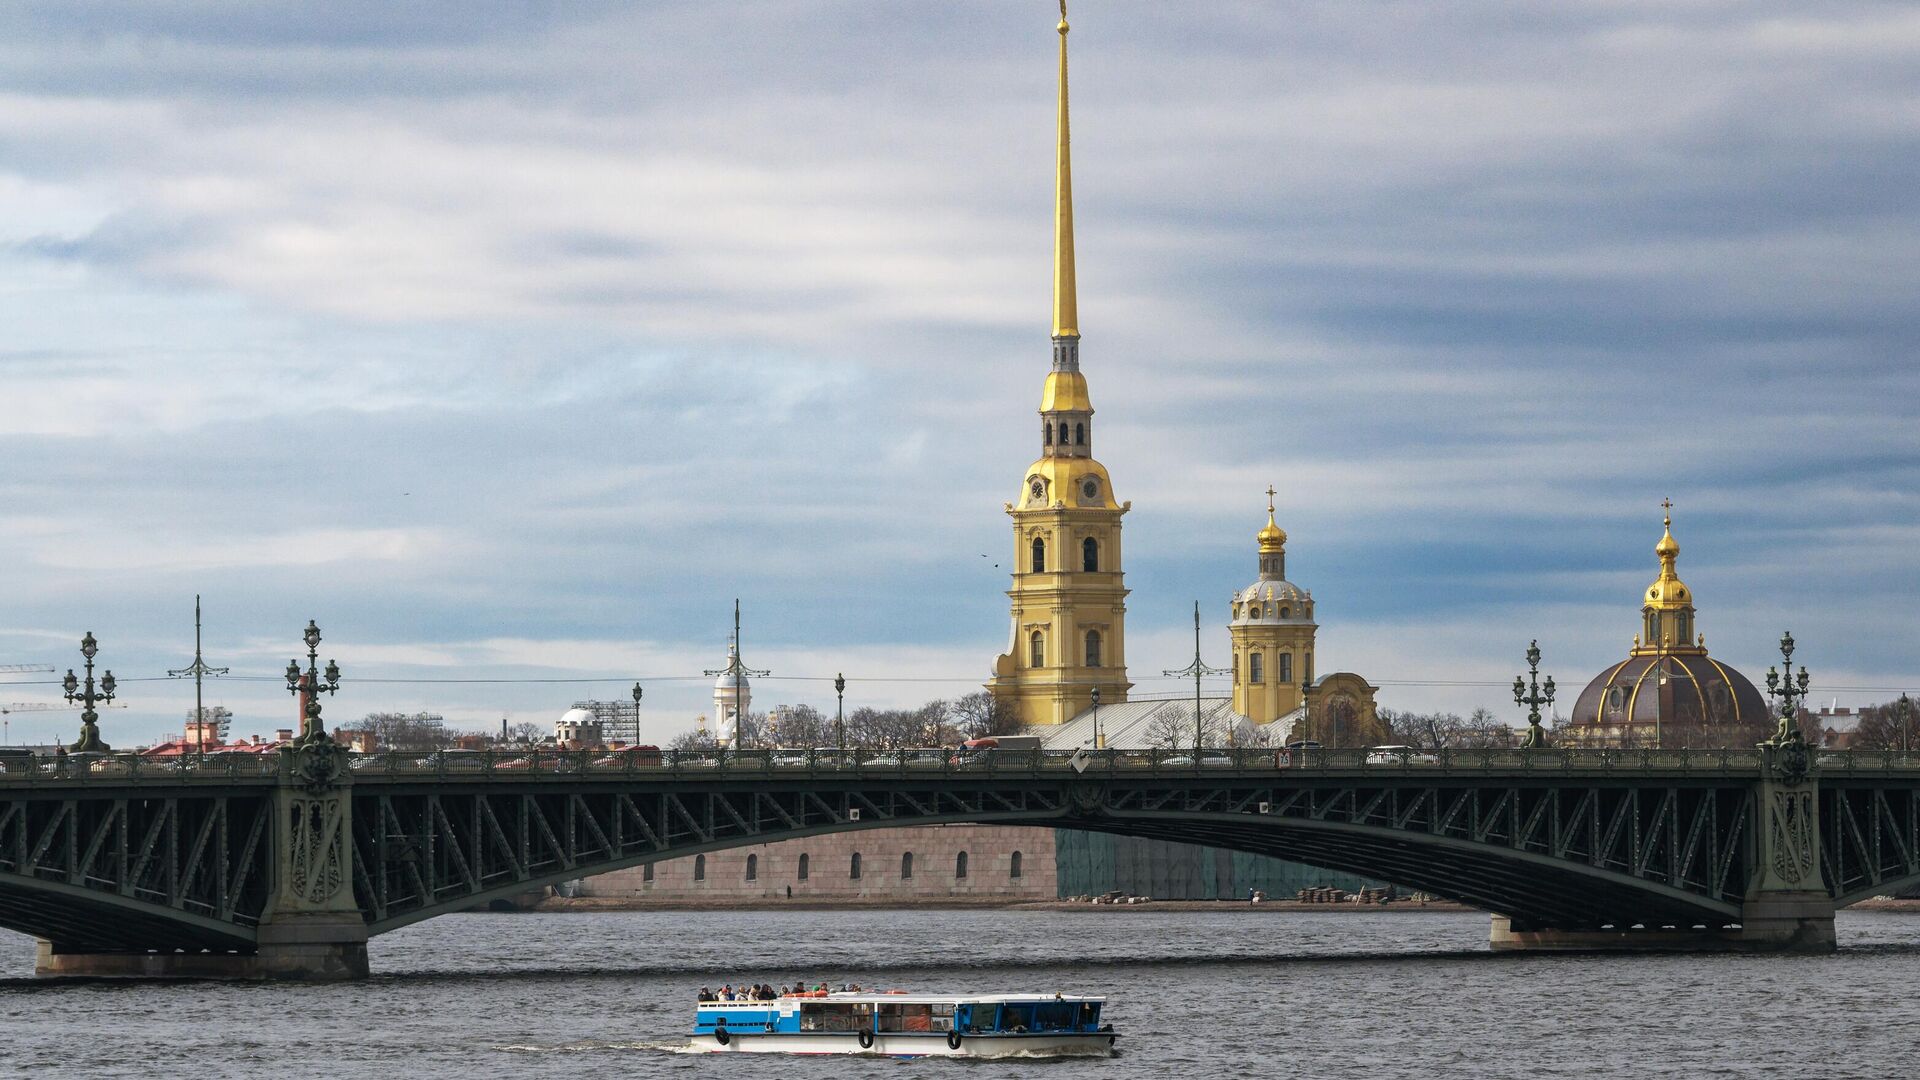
1029,1016
912,1016
836,1016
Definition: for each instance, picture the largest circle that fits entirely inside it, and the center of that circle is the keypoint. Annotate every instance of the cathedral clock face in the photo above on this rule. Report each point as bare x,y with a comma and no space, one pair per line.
1090,489
1039,489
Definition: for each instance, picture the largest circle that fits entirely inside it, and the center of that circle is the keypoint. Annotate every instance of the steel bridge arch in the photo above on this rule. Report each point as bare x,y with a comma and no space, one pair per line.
1500,872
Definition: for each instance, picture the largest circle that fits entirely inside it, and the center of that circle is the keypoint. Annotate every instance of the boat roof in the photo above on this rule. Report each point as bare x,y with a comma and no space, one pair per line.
870,997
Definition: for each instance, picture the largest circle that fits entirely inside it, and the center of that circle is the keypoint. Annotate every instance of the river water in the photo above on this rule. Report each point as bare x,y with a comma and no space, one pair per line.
1194,995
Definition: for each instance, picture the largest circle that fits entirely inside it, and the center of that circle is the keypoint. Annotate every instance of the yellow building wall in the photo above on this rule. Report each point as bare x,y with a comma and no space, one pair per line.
1268,700
1062,602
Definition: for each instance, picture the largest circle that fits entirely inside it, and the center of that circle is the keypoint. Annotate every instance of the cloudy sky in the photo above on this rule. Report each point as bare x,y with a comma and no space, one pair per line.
514,341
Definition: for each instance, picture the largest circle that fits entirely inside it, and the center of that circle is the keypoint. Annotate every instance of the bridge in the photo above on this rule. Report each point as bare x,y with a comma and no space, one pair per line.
282,865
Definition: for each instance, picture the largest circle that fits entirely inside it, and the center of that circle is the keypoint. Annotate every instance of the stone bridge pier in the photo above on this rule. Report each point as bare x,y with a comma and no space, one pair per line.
311,927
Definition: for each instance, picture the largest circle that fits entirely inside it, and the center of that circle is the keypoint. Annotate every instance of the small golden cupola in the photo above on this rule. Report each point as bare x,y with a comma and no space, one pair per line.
1667,623
1273,545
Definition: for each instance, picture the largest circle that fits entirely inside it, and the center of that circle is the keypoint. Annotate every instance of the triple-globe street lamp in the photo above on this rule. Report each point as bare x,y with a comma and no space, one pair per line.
309,683
1789,690
87,697
1533,693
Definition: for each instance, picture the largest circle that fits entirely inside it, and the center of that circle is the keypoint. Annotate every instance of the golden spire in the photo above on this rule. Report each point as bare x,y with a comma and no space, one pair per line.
1066,308
1668,592
1668,549
1273,537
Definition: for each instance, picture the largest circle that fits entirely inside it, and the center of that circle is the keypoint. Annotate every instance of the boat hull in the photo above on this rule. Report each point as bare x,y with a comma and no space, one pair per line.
901,1044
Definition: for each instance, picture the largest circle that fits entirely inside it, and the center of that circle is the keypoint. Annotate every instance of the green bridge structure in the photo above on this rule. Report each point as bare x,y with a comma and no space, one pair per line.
282,865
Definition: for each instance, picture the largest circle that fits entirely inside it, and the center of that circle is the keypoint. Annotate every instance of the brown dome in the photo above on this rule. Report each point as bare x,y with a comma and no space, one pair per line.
1671,700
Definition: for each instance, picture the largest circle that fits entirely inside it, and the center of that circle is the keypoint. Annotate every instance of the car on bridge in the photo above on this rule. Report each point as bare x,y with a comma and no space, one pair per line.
1186,761
907,759
635,756
1401,755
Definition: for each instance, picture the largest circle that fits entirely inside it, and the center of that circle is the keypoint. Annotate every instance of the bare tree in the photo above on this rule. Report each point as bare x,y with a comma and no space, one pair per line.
980,714
1880,728
885,729
797,725
524,732
1171,728
405,731
697,739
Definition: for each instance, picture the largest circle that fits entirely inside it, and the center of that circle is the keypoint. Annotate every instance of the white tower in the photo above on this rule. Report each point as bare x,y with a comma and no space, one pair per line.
732,698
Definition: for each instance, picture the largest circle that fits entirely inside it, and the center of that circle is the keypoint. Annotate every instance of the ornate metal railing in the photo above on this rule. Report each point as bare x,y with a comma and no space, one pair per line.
507,765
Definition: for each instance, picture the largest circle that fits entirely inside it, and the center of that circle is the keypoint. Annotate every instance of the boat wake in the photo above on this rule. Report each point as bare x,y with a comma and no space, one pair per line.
597,1046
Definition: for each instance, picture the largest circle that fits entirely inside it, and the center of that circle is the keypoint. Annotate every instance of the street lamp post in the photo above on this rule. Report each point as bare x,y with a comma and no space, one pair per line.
198,669
1099,738
637,694
737,667
1532,693
1904,709
840,710
1789,691
1196,669
88,697
308,686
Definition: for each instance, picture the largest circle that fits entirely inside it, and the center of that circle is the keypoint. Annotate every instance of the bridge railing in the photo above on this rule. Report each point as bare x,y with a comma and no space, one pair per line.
507,764
27,770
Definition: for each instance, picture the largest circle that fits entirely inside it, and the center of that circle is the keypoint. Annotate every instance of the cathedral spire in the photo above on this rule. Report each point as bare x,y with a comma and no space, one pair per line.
1066,309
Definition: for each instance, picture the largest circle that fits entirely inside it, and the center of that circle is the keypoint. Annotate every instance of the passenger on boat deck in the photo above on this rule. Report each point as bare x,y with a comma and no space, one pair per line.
706,994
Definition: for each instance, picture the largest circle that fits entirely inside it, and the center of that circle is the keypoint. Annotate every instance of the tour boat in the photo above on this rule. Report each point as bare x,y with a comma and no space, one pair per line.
899,1024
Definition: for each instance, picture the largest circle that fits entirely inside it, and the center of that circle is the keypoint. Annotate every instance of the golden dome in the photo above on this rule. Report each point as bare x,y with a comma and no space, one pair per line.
1668,592
1273,537
1067,481
1065,391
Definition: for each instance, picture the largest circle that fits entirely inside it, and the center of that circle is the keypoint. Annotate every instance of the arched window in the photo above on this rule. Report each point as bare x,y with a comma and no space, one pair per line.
960,865
1039,556
1253,669
1286,667
1286,612
753,868
1090,555
1036,650
1080,434
803,866
699,868
853,866
646,872
1253,611
1063,433
1046,434
1013,868
1093,648
1653,628
906,865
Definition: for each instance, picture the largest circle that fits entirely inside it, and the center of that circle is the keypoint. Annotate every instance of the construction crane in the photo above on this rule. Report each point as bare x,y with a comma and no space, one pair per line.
9,708
18,669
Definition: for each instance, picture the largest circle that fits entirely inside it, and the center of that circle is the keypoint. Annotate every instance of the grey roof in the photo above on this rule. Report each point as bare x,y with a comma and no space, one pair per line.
1131,725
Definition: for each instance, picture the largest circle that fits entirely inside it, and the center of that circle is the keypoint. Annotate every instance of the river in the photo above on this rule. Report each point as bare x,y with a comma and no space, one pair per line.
1194,994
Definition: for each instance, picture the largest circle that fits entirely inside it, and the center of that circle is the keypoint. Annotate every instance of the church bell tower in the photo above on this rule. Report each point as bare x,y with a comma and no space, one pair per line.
1069,603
